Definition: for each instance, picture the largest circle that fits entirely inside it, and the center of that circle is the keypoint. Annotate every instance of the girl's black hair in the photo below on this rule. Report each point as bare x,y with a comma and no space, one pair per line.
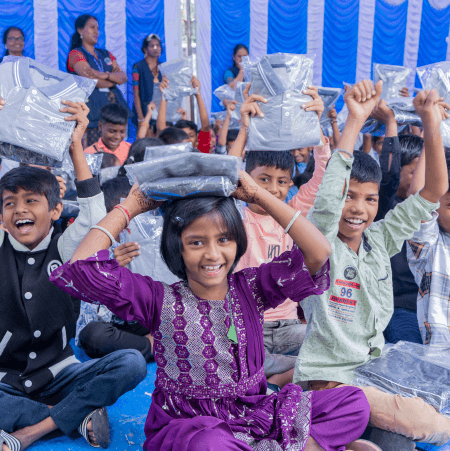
29,178
365,169
79,23
410,148
183,212
279,159
147,40
5,36
239,47
137,149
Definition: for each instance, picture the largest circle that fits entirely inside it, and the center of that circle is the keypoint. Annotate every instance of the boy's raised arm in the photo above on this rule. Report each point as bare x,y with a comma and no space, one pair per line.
203,112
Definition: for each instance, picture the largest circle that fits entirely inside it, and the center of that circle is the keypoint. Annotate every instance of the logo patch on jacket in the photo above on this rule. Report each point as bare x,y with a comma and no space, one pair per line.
53,265
350,272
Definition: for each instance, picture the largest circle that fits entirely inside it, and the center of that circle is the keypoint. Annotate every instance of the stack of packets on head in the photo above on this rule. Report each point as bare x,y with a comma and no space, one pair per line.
281,78
32,128
179,73
182,173
437,76
225,92
394,79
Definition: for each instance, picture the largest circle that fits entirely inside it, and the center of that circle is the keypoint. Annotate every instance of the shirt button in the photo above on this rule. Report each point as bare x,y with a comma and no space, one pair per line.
288,96
287,113
37,333
31,261
34,91
27,108
32,355
28,295
28,384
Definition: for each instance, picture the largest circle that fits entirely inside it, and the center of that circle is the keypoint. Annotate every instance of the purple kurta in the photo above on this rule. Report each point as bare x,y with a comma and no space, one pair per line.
211,393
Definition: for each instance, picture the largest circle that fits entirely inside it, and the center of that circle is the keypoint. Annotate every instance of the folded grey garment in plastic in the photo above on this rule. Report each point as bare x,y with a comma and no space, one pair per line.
108,174
165,151
411,370
31,119
376,128
285,124
329,97
239,98
172,114
394,79
146,229
234,121
273,74
326,126
437,76
179,73
189,164
224,92
71,208
180,187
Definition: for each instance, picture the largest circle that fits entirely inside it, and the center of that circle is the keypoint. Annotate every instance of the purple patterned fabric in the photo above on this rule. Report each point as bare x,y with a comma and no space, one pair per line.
204,381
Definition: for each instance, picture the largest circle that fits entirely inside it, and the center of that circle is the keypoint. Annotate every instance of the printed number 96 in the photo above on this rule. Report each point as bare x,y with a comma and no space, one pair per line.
346,292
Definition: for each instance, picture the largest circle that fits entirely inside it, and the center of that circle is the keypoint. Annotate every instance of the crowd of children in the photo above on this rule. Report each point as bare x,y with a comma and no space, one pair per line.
268,310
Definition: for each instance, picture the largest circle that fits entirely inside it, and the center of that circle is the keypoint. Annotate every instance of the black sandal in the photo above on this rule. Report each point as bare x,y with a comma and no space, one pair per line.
100,428
10,441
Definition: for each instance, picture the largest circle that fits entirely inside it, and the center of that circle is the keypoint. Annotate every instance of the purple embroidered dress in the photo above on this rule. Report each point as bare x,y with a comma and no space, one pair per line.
210,392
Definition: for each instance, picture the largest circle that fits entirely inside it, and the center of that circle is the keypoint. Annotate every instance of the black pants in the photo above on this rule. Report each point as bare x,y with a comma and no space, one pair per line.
99,339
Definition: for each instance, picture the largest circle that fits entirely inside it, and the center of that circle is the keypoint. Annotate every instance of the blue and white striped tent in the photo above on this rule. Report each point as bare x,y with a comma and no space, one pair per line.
347,36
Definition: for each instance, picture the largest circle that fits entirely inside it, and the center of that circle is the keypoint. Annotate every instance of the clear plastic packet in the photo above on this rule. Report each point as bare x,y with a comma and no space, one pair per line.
108,174
281,78
411,370
172,114
165,151
235,124
239,98
31,121
394,79
329,97
146,229
189,164
224,92
404,110
181,187
437,76
71,209
179,73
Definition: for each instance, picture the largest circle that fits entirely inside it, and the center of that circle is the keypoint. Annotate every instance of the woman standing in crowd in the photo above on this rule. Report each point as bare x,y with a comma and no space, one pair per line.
145,74
236,72
89,61
14,41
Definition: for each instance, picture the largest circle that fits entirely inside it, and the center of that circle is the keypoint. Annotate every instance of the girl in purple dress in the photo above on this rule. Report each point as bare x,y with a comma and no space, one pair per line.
208,329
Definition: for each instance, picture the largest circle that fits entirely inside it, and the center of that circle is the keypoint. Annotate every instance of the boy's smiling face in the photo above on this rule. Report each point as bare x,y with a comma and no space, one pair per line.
276,181
112,134
27,217
360,209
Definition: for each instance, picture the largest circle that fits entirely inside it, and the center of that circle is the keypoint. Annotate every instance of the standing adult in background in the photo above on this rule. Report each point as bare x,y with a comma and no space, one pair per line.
236,72
14,41
145,74
92,62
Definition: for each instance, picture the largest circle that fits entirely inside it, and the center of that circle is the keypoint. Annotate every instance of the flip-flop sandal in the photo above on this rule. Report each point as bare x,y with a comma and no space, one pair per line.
100,428
363,445
10,441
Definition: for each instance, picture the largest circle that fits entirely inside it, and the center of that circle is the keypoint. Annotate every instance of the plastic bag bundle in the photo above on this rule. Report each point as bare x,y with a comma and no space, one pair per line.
329,97
32,129
108,174
411,370
71,208
173,106
221,115
146,229
239,98
179,73
224,92
281,78
165,151
437,76
394,79
179,187
189,164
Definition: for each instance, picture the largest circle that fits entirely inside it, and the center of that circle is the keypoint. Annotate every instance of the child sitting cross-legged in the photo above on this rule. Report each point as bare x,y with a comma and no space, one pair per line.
208,336
346,323
272,171
43,387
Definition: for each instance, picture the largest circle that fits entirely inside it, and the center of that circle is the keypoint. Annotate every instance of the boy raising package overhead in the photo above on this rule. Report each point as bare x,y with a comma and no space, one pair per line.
346,323
43,387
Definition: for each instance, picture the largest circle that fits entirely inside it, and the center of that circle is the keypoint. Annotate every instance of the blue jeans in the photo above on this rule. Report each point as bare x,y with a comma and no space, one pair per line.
76,391
403,326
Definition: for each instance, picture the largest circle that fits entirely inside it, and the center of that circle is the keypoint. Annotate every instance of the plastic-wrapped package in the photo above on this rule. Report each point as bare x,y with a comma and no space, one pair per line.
67,171
165,151
173,106
239,98
437,76
221,115
71,208
179,73
146,229
108,173
224,92
281,78
189,164
394,79
329,97
32,129
180,187
411,370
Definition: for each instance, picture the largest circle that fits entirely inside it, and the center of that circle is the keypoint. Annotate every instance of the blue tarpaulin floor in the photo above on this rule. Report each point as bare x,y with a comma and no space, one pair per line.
127,418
